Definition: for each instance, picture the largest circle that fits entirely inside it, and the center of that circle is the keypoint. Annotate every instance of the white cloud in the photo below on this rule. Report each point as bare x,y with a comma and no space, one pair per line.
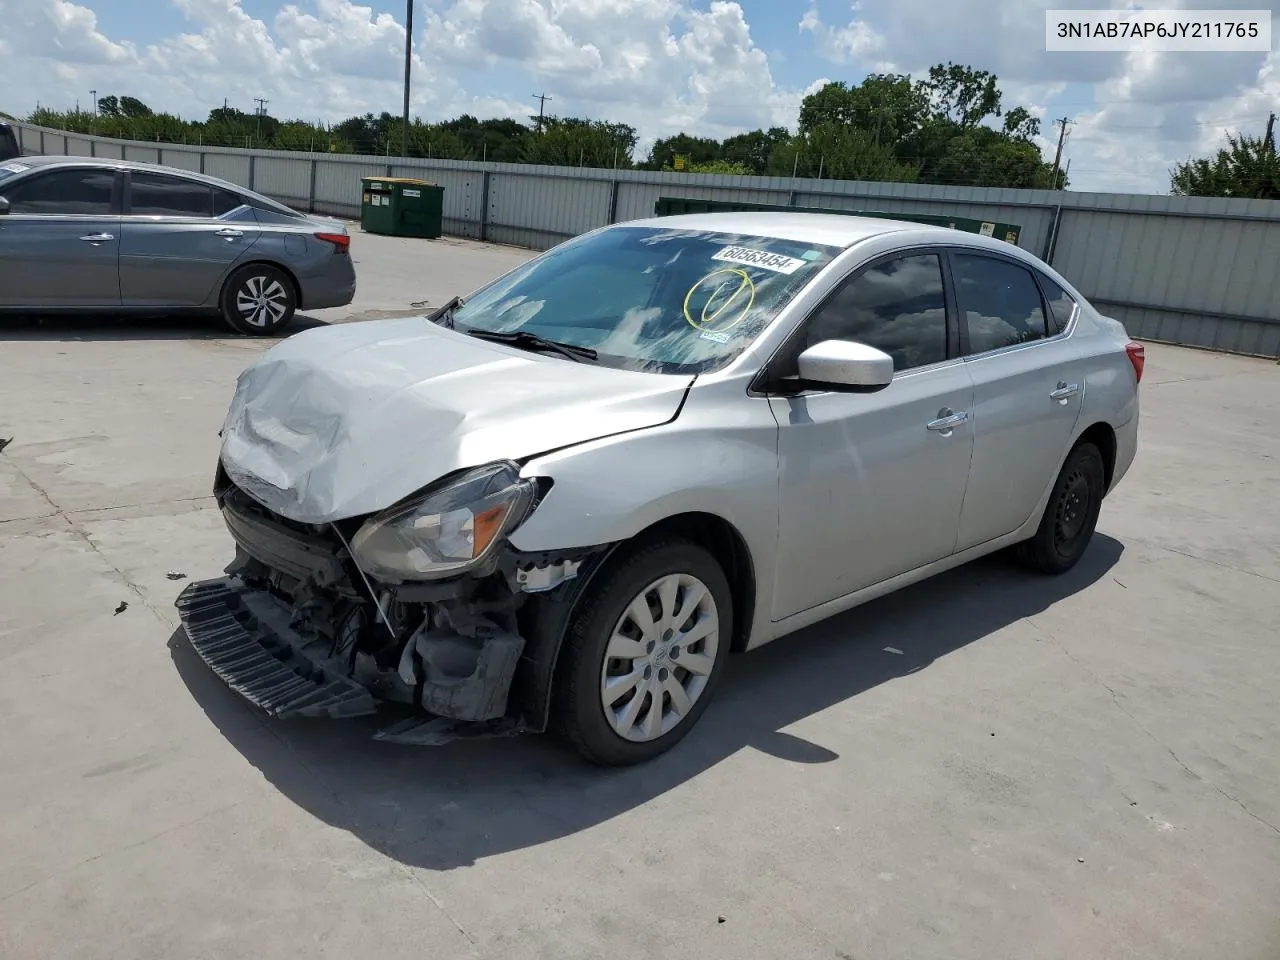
1139,114
660,65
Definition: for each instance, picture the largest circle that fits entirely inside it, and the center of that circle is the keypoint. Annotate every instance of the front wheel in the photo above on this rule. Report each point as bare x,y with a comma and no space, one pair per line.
643,653
1070,516
258,300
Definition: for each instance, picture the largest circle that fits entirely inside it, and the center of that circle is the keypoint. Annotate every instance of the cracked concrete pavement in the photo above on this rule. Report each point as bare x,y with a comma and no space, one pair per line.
985,765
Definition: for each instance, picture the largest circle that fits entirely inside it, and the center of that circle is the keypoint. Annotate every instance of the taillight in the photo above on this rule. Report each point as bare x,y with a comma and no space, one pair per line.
1137,356
340,240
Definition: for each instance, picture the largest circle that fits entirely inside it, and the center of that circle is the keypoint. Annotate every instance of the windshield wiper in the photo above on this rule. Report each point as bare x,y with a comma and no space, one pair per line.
531,341
443,315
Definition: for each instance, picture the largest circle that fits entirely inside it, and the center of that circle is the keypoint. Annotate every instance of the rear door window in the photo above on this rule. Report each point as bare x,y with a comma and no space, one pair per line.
157,195
999,301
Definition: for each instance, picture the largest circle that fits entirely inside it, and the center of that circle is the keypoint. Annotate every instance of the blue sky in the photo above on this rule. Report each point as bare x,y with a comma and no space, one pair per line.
709,67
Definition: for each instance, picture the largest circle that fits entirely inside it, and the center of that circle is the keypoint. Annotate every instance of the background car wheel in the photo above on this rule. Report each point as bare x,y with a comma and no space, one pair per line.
1070,516
643,653
258,300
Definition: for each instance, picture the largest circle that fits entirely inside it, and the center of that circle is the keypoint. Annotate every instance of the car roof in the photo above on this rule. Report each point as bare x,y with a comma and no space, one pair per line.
829,229
59,160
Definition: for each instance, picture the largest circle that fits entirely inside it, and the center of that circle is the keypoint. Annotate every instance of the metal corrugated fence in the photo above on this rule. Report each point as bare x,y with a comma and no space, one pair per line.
1199,271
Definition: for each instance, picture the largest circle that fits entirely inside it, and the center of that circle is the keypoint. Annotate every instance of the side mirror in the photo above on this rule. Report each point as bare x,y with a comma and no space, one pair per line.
845,367
4,206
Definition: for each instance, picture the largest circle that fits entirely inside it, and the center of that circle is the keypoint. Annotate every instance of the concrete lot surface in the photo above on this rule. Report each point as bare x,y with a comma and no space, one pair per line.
988,765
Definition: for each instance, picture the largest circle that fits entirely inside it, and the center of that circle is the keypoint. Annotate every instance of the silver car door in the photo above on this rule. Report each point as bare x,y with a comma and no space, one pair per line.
174,249
871,485
60,242
1028,388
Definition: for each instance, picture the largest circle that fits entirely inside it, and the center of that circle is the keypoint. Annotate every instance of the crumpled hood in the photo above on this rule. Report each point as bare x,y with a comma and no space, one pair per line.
346,420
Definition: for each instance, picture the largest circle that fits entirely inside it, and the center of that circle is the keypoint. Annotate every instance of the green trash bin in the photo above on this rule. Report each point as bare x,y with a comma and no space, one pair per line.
401,207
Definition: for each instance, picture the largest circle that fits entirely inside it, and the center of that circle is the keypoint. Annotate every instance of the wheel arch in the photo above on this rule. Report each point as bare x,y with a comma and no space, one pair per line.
546,618
262,262
1103,436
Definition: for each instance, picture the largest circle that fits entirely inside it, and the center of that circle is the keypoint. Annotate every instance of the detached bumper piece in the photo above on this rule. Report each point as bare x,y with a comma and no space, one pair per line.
227,629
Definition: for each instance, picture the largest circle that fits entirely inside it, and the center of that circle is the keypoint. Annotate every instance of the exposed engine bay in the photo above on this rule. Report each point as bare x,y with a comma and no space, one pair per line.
297,628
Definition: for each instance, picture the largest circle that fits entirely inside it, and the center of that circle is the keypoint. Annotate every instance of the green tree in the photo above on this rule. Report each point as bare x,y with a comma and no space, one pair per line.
890,106
962,94
573,142
133,108
753,149
732,167
1249,167
663,153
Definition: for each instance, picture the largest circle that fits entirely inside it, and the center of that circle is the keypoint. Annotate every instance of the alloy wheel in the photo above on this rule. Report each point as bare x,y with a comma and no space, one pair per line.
659,657
262,301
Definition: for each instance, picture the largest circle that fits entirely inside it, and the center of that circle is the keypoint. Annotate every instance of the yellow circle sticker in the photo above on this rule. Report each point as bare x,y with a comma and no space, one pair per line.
726,296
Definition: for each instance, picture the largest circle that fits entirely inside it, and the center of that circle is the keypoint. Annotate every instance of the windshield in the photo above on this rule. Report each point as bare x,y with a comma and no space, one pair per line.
645,298
9,170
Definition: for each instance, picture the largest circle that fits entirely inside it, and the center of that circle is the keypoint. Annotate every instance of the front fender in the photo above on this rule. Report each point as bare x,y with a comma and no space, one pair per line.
612,489
719,457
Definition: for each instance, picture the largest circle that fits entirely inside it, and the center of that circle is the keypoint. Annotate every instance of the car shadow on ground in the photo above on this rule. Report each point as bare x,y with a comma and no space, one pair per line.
447,807
165,326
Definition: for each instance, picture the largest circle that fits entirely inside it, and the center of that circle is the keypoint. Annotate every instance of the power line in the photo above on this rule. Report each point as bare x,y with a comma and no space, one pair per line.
262,109
1057,158
542,99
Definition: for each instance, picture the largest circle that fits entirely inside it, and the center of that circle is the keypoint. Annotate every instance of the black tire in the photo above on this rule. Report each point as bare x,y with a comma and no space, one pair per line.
1070,516
258,300
578,712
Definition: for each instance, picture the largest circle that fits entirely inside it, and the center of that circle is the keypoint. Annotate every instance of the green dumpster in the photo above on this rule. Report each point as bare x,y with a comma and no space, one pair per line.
401,207
1009,232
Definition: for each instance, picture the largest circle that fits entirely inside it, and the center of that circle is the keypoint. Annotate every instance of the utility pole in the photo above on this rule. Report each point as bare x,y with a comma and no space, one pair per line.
542,99
1057,157
262,109
1271,126
93,94
408,67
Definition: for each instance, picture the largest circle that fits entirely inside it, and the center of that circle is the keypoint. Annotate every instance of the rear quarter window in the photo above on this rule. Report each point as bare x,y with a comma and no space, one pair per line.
1061,305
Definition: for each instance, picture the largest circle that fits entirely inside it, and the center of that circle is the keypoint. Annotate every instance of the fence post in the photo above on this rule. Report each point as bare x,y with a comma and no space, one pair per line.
484,206
66,145
251,171
42,150
160,156
613,201
202,159
311,190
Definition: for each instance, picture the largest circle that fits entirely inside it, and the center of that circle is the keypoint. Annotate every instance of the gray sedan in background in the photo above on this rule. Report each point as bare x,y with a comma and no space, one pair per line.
108,236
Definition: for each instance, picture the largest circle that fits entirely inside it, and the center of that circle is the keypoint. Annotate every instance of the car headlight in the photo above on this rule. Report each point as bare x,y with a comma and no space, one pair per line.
447,531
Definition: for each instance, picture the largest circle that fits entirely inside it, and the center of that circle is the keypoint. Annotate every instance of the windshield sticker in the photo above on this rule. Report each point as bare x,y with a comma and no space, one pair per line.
14,167
714,337
759,258
726,296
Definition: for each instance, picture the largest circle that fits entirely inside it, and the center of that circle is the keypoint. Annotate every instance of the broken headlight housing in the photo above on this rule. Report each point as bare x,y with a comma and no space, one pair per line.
448,530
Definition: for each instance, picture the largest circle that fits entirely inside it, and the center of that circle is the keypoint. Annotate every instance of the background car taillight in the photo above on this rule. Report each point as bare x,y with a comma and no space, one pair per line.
1137,356
340,241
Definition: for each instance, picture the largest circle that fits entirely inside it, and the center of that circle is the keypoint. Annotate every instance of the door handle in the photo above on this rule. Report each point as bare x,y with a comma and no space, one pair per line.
229,233
1065,391
946,421
97,237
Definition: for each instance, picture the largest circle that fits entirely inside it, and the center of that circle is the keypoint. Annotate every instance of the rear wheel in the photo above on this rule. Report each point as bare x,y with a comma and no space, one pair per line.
1070,516
258,300
643,653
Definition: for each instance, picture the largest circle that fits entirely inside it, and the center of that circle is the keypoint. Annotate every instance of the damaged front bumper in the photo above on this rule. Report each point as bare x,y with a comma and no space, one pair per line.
296,630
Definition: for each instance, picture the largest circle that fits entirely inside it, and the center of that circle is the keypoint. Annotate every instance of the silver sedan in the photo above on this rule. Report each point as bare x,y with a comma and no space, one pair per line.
565,500
106,236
